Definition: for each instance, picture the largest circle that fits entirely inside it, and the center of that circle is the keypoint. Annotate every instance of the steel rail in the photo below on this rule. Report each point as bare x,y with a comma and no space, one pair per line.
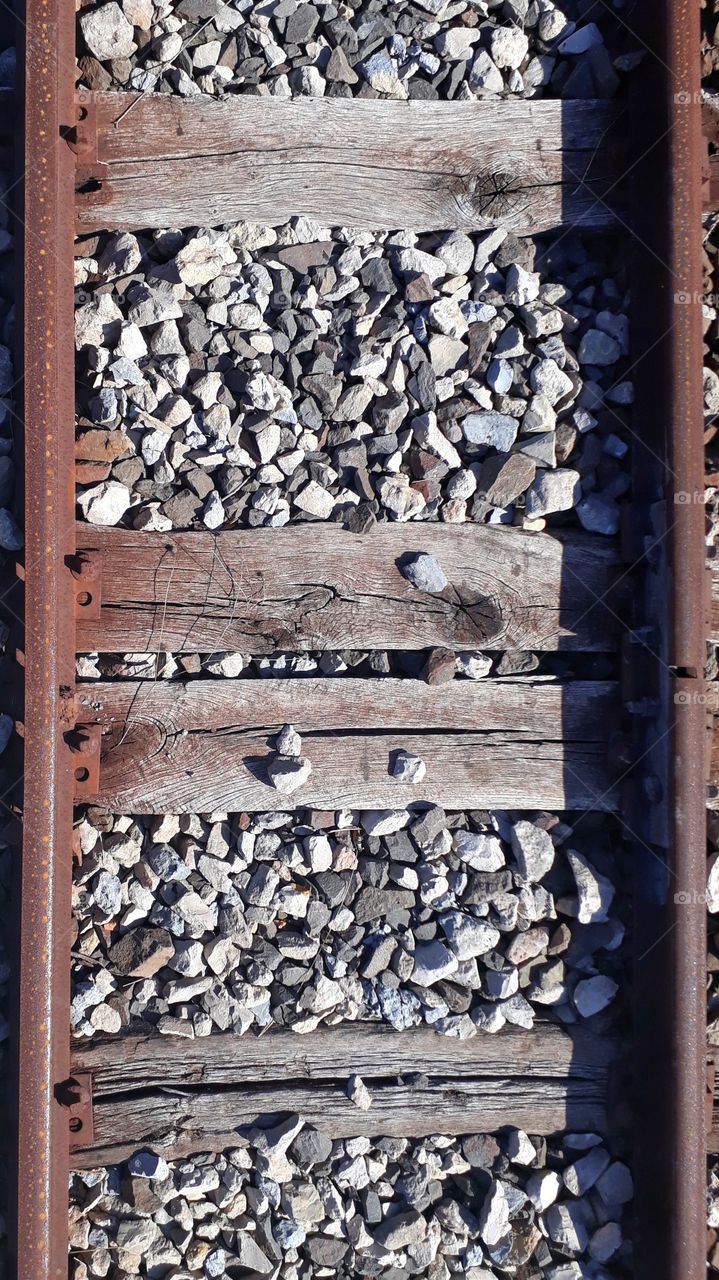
44,222
668,818
667,822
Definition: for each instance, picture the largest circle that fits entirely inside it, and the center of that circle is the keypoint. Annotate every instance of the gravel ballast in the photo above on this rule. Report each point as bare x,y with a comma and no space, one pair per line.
460,922
472,664
425,49
253,376
288,1202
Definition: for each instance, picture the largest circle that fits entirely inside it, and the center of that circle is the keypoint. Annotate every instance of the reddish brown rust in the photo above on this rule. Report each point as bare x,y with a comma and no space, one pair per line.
668,821
84,742
75,1095
687,640
87,573
46,166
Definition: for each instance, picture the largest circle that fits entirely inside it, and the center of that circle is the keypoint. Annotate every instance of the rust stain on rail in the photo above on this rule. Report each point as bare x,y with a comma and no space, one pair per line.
45,214
670,1162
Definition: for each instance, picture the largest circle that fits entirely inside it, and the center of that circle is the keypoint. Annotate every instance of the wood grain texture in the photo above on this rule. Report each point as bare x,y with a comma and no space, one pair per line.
530,166
321,587
138,1061
180,1096
169,747
713,631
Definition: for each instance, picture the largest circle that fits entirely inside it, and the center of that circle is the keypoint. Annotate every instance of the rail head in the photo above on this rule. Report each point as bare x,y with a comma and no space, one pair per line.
44,212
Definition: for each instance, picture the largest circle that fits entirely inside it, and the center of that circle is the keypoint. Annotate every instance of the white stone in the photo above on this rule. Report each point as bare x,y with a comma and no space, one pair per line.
358,1093
595,892
522,285
315,500
594,994
429,436
553,491
533,849
203,259
105,503
479,849
519,1147
467,936
384,822
508,46
598,348
485,76
496,429
380,72
581,1176
432,962
457,253
582,39
447,317
566,1226
549,380
494,1215
543,1188
107,33
288,773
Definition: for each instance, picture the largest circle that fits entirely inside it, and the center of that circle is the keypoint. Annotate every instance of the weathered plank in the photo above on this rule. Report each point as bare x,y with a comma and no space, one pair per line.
184,1096
321,587
713,632
158,161
169,747
137,1061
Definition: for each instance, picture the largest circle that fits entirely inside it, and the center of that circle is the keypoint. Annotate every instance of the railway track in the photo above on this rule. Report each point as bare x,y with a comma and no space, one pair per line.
617,740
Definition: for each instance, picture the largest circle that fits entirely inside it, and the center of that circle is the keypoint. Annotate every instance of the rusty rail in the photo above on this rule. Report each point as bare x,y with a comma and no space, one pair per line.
45,225
666,816
669,1019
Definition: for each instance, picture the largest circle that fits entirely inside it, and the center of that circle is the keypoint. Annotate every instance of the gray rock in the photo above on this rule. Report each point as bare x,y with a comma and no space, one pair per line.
107,892
496,429
288,773
432,962
615,1185
250,1256
425,573
581,1176
552,491
402,1230
599,513
467,936
141,953
358,1093
146,1164
408,768
566,1226
533,850
11,538
105,503
107,32
493,1222
595,893
598,348
288,741
594,994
